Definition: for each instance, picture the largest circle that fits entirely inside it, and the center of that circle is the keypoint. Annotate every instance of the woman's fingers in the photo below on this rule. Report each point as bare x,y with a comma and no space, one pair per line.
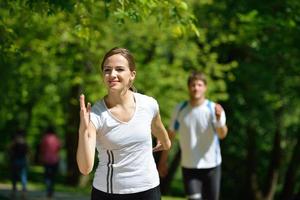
158,147
88,107
82,103
84,111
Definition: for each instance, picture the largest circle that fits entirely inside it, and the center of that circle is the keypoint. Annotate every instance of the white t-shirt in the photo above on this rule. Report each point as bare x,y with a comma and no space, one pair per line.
198,140
126,163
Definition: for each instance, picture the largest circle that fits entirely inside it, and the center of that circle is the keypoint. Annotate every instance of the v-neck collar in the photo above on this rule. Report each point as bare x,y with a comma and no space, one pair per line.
117,119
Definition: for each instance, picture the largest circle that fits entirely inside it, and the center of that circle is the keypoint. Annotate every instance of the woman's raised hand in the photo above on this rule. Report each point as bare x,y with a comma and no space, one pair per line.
84,114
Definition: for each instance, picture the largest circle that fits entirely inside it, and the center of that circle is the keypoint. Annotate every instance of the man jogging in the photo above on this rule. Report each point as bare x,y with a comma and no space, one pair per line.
200,124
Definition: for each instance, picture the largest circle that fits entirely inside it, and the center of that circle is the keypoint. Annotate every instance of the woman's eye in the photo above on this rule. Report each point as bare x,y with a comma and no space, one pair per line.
106,70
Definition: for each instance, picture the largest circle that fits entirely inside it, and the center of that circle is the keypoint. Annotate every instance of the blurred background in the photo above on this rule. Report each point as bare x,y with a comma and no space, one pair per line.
50,53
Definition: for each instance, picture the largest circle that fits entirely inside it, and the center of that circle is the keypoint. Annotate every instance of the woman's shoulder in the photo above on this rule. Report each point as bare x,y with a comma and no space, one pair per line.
144,98
98,107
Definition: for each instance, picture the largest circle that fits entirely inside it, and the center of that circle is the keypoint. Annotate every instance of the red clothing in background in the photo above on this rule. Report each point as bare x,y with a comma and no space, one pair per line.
50,146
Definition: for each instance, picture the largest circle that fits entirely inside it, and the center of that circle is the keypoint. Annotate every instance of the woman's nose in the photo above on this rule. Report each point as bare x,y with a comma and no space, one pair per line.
113,72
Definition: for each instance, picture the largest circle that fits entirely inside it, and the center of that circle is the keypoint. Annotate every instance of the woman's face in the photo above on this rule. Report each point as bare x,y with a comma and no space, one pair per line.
197,89
116,72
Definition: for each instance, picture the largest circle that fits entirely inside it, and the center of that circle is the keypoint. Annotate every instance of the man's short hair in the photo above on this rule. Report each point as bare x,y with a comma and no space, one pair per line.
195,75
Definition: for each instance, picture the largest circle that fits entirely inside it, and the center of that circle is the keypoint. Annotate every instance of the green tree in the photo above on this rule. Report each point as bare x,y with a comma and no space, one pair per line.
50,54
264,121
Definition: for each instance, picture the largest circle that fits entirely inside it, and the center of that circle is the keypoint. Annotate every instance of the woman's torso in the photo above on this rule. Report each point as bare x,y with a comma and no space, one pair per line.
126,163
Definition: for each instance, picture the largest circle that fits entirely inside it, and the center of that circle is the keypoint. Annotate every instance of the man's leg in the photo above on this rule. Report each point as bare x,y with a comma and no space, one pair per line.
14,178
192,184
48,183
24,178
212,183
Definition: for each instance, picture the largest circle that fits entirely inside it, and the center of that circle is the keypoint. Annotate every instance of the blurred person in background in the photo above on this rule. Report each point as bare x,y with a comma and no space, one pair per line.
18,152
201,123
49,151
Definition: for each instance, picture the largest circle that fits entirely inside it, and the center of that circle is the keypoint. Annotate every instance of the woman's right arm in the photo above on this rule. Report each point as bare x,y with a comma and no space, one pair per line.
86,139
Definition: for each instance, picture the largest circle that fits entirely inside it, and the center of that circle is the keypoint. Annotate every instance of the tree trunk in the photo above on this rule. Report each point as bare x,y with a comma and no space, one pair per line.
273,171
253,188
292,173
72,136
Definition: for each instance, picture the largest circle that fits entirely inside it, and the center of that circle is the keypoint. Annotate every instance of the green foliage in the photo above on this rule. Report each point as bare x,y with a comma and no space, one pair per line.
249,52
46,54
264,90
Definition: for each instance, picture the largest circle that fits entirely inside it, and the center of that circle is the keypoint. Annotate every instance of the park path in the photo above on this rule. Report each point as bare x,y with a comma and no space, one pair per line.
5,194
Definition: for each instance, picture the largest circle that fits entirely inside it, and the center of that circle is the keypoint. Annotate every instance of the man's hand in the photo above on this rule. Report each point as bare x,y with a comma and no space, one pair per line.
218,110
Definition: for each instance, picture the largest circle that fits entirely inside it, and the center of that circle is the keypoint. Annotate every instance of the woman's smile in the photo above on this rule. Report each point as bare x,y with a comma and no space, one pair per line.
113,82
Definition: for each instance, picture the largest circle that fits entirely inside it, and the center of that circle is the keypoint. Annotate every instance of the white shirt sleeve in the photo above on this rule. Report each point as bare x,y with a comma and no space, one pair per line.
154,106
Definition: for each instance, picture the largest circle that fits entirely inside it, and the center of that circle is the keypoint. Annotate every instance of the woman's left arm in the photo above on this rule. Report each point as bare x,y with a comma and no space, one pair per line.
160,132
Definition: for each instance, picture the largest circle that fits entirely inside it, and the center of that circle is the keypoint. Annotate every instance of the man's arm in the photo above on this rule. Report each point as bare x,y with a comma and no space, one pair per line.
222,131
163,161
220,124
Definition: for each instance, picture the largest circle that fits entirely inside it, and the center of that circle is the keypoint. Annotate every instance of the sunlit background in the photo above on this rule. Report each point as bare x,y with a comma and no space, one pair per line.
50,52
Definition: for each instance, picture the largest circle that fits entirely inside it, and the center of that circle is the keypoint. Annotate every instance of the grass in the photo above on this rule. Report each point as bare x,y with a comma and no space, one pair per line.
172,198
74,190
36,182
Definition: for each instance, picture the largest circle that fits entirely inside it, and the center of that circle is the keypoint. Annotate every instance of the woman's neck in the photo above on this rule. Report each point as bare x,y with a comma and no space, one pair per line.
112,99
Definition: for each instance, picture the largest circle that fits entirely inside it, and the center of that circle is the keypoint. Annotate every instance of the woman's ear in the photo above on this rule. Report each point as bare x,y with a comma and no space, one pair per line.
133,73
